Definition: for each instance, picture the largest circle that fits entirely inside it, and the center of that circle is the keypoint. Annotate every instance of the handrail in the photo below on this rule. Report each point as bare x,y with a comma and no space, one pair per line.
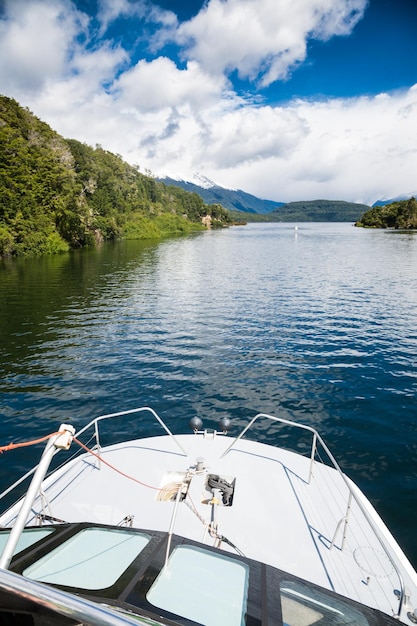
96,421
317,437
273,419
64,603
61,441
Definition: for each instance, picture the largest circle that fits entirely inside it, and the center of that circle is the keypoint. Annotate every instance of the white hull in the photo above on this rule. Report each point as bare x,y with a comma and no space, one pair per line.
305,518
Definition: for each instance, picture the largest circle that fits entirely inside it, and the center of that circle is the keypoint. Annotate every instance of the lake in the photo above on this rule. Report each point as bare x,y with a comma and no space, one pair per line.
315,323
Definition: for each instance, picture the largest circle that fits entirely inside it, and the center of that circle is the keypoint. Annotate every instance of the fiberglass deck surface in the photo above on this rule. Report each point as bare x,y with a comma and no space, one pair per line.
277,517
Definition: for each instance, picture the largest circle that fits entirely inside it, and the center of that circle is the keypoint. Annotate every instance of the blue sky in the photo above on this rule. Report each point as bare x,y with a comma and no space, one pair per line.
285,99
379,55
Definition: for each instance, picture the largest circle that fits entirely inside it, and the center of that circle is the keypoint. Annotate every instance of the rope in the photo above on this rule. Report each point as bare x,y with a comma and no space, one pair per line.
193,508
191,505
13,446
100,458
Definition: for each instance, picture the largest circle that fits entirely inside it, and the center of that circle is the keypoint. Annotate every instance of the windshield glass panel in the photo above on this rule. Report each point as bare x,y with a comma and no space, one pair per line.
208,588
28,537
304,606
94,558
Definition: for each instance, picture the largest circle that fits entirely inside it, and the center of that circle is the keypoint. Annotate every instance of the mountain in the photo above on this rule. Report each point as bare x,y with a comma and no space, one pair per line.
319,211
238,200
386,201
234,200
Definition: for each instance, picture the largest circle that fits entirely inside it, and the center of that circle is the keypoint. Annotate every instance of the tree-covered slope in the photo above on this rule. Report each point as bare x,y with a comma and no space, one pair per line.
319,211
402,214
231,199
57,194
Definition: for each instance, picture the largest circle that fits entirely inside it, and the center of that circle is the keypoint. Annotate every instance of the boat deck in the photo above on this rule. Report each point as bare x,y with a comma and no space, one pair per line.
303,519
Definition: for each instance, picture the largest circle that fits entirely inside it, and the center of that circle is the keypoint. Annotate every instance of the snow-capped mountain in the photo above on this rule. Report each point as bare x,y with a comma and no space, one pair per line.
202,181
385,201
232,199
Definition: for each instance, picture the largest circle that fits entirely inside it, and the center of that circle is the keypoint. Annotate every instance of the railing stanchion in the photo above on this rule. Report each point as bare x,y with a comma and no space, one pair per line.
352,495
97,436
313,454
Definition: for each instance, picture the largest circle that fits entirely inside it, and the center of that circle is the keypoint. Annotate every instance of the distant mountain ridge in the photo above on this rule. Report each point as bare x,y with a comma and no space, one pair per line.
234,200
320,211
302,211
386,201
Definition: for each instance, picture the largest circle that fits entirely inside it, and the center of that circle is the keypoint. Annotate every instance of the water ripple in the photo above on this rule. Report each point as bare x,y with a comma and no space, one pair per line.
316,325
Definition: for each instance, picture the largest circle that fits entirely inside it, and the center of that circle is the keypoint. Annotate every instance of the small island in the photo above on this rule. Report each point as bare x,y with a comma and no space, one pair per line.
398,215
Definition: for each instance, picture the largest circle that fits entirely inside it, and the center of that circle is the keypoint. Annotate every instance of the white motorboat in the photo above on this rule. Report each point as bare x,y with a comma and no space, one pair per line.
198,528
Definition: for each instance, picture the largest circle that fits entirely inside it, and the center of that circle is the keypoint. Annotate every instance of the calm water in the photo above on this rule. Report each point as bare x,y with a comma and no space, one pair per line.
316,324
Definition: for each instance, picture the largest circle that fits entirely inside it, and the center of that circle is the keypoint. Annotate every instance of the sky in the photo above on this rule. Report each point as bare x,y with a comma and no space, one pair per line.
285,99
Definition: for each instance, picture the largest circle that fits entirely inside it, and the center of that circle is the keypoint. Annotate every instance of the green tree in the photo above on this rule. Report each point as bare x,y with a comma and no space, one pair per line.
399,215
57,193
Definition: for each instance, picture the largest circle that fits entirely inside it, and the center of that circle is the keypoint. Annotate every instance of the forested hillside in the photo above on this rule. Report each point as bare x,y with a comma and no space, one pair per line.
319,211
231,199
401,214
57,194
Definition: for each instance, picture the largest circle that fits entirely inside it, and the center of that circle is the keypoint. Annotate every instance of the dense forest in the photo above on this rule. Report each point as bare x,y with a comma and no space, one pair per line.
399,215
258,210
319,211
58,194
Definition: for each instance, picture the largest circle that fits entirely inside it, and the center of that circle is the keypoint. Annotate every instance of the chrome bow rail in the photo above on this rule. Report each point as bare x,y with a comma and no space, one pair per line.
316,441
343,522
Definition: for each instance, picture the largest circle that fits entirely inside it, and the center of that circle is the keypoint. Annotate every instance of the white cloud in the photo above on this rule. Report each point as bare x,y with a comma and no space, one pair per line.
250,134
111,10
35,42
154,85
174,119
337,17
355,149
263,39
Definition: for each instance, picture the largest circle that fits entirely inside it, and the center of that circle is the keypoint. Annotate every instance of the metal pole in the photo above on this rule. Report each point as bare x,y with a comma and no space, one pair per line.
171,526
67,604
313,454
62,440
